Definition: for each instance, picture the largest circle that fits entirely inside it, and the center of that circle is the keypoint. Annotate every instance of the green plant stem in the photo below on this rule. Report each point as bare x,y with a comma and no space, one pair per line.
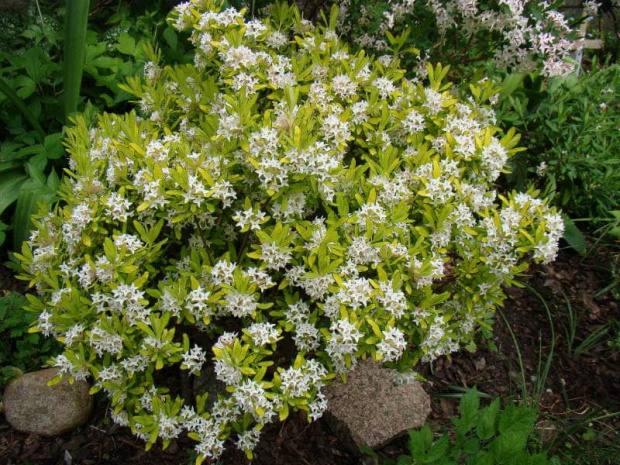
542,377
519,358
21,106
75,52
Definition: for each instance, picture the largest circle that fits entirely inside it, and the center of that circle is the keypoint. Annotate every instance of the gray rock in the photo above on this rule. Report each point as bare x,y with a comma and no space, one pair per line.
33,407
371,410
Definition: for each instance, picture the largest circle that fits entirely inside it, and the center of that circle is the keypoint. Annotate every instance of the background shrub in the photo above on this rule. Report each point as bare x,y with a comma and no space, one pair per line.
570,127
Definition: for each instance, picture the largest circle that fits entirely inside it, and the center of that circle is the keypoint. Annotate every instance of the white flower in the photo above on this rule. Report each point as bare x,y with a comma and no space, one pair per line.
250,396
385,86
222,272
117,207
248,439
249,219
306,336
227,373
263,333
345,332
343,86
73,333
194,359
434,101
276,40
259,277
275,257
393,301
362,252
414,122
295,382
169,427
105,342
356,293
393,345
541,168
240,305
66,367
129,241
318,406
135,364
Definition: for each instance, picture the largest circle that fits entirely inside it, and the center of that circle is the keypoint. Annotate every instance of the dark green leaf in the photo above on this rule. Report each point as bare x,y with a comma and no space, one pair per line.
53,146
32,195
24,86
171,38
10,183
573,236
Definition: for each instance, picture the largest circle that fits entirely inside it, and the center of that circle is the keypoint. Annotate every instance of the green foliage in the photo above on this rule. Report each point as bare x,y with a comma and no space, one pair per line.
34,75
20,350
570,127
479,436
76,26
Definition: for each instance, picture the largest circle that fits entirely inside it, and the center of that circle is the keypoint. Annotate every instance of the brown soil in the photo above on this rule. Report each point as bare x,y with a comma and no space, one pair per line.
576,386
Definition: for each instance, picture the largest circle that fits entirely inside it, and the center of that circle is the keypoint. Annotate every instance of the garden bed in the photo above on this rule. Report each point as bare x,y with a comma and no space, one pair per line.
576,390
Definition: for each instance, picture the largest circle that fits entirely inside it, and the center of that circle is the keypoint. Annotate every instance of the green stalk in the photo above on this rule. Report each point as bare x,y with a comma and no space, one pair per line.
524,393
75,52
21,106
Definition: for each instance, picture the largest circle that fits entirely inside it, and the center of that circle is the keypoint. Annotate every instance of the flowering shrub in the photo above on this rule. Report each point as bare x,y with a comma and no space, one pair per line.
520,35
282,208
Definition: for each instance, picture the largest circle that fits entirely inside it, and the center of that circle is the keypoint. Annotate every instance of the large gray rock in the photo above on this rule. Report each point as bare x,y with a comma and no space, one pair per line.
371,409
33,407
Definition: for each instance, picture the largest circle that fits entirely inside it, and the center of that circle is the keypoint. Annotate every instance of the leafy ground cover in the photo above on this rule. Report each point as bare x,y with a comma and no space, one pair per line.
578,397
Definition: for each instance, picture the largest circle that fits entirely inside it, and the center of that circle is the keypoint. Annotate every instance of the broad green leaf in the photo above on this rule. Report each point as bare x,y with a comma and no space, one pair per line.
126,45
469,410
419,442
32,195
518,420
438,450
487,420
53,146
10,183
171,37
24,86
511,83
573,236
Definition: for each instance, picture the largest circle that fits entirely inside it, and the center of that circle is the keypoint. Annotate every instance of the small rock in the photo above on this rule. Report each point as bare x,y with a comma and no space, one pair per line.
370,410
33,407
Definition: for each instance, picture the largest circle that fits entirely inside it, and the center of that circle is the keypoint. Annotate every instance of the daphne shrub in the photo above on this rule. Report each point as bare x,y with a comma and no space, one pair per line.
519,35
277,210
